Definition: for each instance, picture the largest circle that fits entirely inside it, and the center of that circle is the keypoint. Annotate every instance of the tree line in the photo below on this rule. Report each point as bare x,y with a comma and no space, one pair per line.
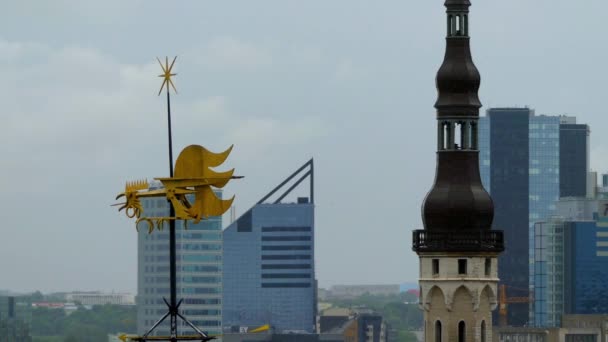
94,325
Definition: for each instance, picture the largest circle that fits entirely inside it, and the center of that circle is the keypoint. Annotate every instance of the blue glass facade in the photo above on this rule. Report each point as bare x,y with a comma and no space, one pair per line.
269,271
574,138
484,151
521,165
15,318
571,261
544,177
199,272
509,186
586,264
548,273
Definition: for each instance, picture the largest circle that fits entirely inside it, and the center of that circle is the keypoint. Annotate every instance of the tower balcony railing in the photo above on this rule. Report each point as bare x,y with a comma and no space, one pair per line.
458,241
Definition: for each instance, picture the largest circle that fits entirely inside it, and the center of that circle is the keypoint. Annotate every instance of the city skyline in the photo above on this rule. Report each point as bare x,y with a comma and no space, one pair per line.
82,102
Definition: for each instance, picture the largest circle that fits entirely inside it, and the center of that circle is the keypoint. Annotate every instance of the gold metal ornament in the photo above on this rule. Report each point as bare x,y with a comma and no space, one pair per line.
166,75
193,178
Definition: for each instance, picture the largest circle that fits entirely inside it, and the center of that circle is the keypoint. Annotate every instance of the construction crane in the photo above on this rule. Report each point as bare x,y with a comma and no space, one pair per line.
503,301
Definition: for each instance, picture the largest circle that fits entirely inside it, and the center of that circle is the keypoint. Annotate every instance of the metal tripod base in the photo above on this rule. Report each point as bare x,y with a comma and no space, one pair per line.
173,314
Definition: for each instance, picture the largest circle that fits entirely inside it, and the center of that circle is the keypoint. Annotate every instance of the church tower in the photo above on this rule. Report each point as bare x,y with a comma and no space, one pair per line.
457,249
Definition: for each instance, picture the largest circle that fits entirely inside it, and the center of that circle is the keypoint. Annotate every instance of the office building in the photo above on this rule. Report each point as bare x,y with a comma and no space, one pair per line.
15,318
269,269
457,248
574,328
548,273
527,162
571,261
199,272
100,298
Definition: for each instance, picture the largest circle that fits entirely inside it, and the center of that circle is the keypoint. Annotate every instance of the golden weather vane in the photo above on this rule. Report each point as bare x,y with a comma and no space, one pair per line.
191,192
190,189
193,179
166,75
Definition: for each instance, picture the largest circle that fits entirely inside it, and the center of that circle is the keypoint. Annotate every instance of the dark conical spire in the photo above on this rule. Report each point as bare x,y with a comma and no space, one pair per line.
458,206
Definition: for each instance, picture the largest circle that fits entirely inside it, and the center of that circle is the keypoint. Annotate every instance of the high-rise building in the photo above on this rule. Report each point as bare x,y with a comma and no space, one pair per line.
458,250
199,272
527,163
15,318
548,273
571,261
269,269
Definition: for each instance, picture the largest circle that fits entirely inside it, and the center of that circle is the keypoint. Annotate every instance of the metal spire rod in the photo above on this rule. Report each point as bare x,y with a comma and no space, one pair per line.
172,304
172,257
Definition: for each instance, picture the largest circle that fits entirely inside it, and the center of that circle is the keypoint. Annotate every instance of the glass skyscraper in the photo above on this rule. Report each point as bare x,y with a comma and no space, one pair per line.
199,272
548,273
15,318
522,159
269,269
571,268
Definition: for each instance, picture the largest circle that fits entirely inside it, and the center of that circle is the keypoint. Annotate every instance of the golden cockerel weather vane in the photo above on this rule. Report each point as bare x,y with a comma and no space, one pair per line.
193,178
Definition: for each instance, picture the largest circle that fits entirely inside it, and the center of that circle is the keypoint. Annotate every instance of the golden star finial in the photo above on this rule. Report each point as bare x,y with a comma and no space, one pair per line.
166,74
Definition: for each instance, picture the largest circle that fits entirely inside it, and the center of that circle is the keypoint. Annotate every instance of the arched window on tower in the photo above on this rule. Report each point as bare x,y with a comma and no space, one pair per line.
438,331
462,331
483,331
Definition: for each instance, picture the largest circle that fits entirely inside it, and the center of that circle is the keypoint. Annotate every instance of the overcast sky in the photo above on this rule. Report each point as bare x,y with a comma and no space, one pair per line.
348,82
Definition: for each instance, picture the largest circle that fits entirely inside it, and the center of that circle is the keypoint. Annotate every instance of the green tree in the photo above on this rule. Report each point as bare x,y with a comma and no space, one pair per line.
84,325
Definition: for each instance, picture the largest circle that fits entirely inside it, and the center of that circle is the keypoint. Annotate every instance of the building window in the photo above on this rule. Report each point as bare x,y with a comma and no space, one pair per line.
438,331
488,266
461,332
286,285
435,266
483,331
462,266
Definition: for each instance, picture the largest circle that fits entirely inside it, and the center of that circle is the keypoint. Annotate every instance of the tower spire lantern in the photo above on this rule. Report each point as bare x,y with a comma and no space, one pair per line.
458,18
457,248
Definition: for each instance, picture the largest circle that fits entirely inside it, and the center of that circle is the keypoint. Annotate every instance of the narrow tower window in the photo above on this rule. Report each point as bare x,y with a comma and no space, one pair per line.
461,331
483,331
452,25
458,136
466,25
446,134
435,266
438,331
488,266
462,266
